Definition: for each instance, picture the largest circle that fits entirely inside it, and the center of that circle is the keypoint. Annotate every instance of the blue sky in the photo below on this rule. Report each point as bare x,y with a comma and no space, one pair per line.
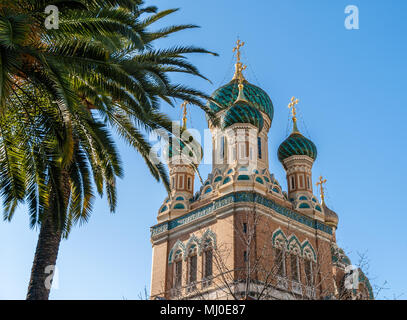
351,85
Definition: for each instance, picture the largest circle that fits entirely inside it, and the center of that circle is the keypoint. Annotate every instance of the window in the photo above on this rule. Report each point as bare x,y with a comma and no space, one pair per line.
178,274
208,263
222,147
192,269
259,147
308,272
301,181
279,262
295,274
189,183
244,227
292,183
308,184
242,148
181,182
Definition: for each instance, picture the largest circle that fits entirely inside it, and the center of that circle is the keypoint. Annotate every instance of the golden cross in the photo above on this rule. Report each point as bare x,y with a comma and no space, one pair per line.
184,114
291,105
321,184
239,44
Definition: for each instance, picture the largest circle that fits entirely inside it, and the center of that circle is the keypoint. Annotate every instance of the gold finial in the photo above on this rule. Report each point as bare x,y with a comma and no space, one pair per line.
241,68
184,114
321,184
238,66
241,95
239,44
291,106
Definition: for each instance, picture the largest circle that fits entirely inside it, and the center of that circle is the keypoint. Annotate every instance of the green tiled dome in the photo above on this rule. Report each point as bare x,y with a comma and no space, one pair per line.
243,112
190,148
297,144
227,94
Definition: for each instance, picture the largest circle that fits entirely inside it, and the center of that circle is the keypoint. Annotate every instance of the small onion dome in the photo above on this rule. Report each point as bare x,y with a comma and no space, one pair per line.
189,149
243,112
297,145
226,95
331,218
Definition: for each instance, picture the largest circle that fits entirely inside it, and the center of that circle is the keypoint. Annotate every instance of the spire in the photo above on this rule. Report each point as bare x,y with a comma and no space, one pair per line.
184,114
321,184
291,106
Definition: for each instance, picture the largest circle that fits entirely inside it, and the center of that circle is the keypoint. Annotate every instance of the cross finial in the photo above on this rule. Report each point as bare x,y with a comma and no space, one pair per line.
239,67
239,44
291,106
320,183
184,114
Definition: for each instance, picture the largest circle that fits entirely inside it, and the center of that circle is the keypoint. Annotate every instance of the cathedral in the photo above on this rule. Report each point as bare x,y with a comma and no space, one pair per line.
241,236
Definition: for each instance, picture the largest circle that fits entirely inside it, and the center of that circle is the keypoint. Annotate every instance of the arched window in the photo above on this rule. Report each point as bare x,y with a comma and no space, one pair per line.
192,267
259,147
292,183
308,184
294,247
208,261
310,257
308,266
279,261
295,267
177,283
189,183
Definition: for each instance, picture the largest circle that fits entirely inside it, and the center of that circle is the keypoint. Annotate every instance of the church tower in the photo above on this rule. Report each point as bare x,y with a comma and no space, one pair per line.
297,154
240,235
183,155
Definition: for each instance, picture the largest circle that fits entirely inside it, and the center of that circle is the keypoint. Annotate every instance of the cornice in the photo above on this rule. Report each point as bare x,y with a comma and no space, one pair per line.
238,197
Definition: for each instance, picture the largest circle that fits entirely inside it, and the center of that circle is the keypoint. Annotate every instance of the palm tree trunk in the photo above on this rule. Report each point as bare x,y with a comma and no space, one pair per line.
46,253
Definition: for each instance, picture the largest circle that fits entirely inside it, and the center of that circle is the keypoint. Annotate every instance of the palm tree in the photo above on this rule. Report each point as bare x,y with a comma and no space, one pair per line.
62,92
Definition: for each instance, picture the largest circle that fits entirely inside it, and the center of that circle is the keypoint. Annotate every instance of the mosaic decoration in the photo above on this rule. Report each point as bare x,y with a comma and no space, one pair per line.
239,197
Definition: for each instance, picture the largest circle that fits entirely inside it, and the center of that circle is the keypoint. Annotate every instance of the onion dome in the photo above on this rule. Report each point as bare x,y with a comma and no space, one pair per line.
188,149
243,112
296,144
331,218
226,95
240,89
184,145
